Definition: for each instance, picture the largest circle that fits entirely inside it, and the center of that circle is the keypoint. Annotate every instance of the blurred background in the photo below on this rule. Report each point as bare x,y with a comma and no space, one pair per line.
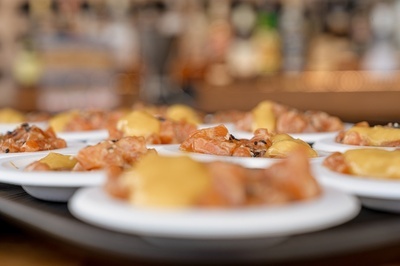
340,56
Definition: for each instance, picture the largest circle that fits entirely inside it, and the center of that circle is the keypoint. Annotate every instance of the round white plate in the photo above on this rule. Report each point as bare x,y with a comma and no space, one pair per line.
90,135
46,185
307,137
333,207
72,147
249,162
330,145
373,192
5,127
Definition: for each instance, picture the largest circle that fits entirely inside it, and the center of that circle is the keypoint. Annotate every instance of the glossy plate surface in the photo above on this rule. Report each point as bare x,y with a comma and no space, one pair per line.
330,145
91,135
249,162
376,193
331,208
46,185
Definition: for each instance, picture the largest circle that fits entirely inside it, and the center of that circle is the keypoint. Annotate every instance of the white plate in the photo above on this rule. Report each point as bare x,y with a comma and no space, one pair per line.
374,193
72,147
330,145
249,162
46,185
333,207
160,147
5,127
307,137
90,135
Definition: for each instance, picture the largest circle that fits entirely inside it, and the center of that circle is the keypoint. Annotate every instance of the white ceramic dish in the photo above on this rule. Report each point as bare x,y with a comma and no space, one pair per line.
72,147
307,137
333,207
90,135
249,162
330,145
161,147
5,127
51,186
373,192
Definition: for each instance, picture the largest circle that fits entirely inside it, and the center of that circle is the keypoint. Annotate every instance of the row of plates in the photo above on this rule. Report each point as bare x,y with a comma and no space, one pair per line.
88,202
339,202
95,135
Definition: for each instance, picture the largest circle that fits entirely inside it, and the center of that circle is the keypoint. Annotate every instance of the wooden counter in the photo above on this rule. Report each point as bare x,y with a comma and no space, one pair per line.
352,95
376,107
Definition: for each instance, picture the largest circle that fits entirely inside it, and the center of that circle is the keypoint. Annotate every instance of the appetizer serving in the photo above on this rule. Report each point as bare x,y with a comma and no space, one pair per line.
180,182
371,174
283,119
79,120
362,134
156,130
108,154
58,185
13,116
9,115
377,163
218,141
30,138
176,112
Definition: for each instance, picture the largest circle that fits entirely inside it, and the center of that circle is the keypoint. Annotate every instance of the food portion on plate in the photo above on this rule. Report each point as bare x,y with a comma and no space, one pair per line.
371,174
155,130
176,112
111,155
263,144
14,116
79,120
11,118
362,134
158,181
376,163
280,118
10,115
57,185
86,124
30,138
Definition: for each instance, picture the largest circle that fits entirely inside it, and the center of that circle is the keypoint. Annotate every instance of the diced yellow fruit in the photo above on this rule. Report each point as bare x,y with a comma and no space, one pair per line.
263,116
9,115
57,161
59,121
180,112
139,123
172,182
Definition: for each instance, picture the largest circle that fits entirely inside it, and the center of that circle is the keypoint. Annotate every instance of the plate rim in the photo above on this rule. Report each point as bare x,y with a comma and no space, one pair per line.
309,137
249,162
195,225
83,135
47,178
330,145
72,147
371,187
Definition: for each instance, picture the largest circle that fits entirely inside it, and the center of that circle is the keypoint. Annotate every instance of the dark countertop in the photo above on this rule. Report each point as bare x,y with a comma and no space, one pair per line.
35,232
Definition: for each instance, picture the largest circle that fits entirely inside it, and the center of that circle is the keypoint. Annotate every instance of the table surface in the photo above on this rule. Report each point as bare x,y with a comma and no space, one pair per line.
35,232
